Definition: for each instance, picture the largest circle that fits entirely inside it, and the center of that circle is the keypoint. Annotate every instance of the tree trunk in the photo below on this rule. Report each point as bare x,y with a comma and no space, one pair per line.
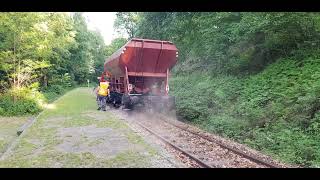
14,64
45,81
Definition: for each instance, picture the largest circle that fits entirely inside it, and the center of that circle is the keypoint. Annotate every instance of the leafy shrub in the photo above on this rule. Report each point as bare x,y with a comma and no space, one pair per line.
54,91
50,95
58,89
2,111
66,80
27,102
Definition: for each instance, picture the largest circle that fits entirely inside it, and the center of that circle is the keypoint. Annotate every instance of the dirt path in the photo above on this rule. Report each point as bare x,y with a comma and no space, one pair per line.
72,133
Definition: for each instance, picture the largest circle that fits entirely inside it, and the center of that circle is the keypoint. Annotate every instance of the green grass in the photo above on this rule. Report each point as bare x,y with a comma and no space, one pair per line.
127,159
77,121
8,130
38,147
71,160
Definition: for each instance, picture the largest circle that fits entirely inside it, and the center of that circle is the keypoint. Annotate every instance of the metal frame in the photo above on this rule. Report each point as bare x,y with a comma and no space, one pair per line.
146,74
167,82
127,81
160,53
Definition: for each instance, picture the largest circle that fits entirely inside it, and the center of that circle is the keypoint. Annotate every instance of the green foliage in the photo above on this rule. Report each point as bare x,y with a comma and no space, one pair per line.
2,112
288,90
53,51
64,80
107,52
250,76
303,148
27,102
115,45
87,54
42,47
199,95
276,111
230,42
126,23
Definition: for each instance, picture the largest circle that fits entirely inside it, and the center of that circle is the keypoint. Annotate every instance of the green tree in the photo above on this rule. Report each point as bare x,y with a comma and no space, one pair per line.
24,51
127,22
114,46
87,55
98,52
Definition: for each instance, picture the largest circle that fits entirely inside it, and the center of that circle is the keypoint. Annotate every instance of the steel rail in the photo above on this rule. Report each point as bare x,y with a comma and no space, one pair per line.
200,162
252,158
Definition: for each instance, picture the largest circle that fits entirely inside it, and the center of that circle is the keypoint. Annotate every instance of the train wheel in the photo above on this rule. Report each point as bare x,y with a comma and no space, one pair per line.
126,101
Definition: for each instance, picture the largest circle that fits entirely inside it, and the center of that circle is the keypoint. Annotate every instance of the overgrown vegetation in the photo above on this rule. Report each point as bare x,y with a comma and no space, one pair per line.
252,77
43,55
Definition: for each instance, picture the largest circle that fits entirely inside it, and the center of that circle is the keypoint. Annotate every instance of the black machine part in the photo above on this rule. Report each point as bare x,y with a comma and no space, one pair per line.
135,101
115,99
157,103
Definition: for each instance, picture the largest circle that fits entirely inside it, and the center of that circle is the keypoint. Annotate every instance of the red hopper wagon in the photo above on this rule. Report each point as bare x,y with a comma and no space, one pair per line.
139,73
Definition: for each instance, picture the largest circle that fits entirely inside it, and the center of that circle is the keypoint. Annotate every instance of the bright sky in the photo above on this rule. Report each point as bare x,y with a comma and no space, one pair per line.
102,21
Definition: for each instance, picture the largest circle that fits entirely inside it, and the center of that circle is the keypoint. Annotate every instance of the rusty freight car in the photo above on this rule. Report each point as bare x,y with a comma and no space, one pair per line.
139,73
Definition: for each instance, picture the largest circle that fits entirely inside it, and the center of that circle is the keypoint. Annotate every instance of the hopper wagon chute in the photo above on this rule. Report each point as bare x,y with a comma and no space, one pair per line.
139,74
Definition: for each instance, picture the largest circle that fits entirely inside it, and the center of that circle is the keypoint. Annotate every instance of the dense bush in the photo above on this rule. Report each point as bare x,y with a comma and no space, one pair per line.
20,102
199,94
52,92
29,100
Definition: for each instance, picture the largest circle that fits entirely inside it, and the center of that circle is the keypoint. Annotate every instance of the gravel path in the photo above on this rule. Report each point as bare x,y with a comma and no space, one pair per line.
168,156
205,150
237,146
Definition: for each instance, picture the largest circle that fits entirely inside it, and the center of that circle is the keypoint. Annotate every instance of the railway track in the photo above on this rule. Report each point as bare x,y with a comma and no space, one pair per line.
203,150
243,154
190,156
